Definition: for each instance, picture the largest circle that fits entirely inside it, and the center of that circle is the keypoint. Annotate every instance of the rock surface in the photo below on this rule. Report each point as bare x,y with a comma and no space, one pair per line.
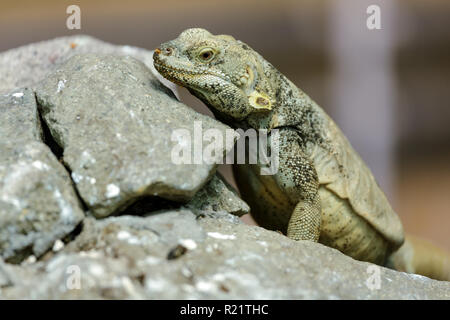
38,204
19,118
178,255
27,65
34,187
115,122
218,195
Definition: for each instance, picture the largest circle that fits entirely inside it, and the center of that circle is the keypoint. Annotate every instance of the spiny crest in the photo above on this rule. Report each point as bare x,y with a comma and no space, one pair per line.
194,34
199,34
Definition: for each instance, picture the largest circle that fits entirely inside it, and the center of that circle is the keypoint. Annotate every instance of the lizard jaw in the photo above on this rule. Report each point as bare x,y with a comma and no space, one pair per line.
185,76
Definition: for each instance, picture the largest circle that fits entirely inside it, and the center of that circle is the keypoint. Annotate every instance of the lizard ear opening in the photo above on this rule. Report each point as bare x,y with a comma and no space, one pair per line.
257,97
260,100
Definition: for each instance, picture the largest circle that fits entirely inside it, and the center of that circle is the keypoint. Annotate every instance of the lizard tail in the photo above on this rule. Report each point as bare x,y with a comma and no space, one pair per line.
422,257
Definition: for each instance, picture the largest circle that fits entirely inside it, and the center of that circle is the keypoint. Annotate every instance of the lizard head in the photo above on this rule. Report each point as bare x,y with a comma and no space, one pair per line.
223,72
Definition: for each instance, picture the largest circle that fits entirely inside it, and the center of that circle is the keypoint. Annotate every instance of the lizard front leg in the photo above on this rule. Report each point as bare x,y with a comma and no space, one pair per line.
298,178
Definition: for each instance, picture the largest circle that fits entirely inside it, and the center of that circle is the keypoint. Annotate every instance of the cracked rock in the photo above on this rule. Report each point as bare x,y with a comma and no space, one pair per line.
38,204
115,122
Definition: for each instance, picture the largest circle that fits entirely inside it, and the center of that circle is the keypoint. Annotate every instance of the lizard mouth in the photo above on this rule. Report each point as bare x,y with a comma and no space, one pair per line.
183,75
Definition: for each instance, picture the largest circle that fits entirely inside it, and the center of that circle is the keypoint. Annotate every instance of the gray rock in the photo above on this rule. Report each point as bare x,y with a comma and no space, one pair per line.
115,122
216,199
19,117
219,195
124,236
175,255
5,279
38,204
90,275
27,65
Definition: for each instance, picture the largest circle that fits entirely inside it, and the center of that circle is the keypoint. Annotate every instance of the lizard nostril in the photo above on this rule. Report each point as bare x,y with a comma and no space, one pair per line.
168,51
157,50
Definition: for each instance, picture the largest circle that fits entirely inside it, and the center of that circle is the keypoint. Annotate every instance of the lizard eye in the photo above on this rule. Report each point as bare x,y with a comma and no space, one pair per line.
206,55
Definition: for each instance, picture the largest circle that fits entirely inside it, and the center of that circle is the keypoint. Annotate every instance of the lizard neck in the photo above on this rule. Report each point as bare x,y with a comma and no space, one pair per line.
292,106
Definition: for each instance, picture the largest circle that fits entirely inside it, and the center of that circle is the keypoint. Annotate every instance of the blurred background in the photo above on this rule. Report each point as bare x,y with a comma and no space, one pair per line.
388,89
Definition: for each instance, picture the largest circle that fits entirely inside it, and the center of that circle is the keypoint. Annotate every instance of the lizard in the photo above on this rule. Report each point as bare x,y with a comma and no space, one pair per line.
323,191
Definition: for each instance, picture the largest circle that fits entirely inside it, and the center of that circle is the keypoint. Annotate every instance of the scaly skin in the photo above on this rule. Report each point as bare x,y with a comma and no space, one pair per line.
322,191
